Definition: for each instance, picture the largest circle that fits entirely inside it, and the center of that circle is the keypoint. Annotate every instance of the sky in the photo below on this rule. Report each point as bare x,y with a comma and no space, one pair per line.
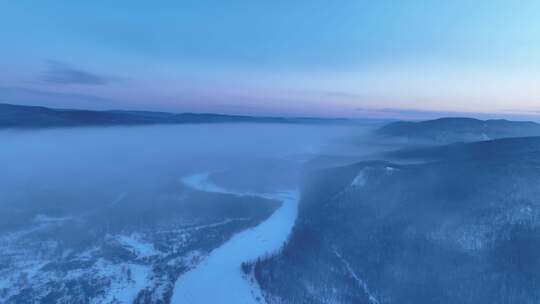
340,58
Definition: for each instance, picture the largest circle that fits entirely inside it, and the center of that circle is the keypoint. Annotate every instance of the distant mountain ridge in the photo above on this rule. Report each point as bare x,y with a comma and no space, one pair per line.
452,129
17,116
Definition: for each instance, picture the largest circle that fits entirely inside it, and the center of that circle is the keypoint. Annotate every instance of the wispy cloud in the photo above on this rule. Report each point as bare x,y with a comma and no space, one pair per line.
65,74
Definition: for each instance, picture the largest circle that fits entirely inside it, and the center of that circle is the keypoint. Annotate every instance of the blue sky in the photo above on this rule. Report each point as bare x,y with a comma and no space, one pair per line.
327,58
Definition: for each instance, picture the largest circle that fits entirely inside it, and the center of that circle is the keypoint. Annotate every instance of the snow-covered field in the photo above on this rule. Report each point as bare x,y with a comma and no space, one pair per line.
219,279
131,265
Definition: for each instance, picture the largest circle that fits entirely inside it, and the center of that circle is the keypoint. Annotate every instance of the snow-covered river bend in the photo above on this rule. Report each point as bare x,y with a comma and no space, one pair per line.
218,279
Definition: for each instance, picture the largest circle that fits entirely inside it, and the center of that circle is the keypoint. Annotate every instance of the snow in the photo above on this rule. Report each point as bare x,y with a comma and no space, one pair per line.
472,238
352,273
390,169
119,199
129,291
127,280
360,179
137,245
31,267
42,218
218,278
216,224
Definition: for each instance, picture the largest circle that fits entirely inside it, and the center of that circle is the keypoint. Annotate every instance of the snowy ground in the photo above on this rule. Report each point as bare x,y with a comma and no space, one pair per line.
218,279
133,264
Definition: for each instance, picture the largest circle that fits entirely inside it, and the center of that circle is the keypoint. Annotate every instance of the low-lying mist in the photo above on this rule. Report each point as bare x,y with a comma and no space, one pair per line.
65,172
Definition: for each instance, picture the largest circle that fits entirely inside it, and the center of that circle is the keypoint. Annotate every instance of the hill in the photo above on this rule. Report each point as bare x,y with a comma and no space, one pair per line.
462,228
454,129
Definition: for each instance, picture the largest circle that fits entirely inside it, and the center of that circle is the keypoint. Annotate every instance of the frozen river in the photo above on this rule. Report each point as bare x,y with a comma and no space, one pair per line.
219,279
